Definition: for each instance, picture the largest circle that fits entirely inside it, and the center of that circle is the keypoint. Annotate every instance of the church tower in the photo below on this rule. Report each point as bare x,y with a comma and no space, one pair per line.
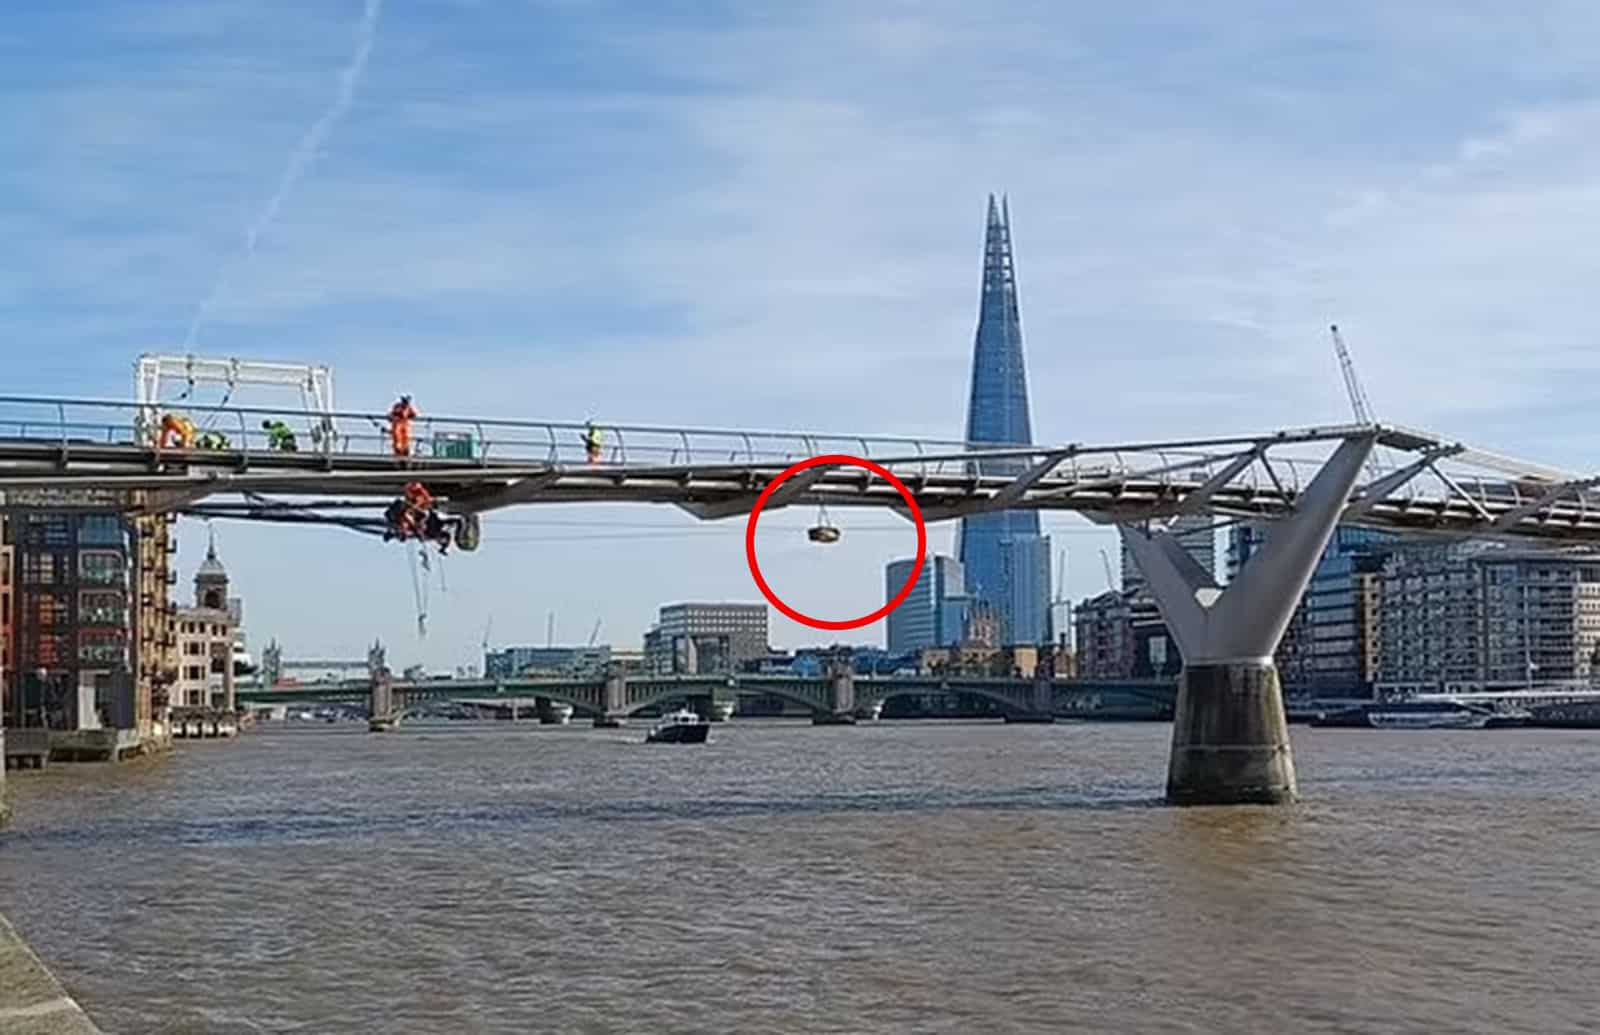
211,580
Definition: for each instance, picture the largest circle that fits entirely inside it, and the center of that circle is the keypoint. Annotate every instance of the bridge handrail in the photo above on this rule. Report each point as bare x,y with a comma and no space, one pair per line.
488,422
1128,480
1391,436
961,451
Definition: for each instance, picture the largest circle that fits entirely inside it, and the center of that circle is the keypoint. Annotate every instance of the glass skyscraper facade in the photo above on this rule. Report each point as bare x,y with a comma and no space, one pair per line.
1004,558
1331,646
931,615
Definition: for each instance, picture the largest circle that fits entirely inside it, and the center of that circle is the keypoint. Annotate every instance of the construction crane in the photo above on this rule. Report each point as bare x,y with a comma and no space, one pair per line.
1105,562
1352,384
595,632
1061,599
1358,398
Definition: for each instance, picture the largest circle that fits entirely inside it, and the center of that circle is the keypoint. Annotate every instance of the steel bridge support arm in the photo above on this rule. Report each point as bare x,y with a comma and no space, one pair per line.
1230,735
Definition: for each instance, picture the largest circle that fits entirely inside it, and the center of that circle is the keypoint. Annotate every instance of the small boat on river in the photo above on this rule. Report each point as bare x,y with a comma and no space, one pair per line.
680,727
1408,715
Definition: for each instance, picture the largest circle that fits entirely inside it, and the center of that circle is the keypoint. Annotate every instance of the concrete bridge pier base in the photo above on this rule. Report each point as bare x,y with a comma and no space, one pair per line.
841,694
722,703
1230,735
614,712
1230,738
712,707
1041,704
383,704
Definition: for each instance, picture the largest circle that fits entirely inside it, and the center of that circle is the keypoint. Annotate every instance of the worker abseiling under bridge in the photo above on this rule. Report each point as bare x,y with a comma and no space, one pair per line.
415,515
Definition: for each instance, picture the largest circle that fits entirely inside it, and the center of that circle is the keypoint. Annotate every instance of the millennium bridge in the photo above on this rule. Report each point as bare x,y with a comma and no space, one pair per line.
1230,735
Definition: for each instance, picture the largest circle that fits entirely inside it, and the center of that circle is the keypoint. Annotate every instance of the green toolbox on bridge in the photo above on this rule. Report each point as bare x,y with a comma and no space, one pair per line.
452,445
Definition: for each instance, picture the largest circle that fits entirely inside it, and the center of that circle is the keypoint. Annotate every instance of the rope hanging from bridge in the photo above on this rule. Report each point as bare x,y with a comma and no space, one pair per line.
227,396
419,589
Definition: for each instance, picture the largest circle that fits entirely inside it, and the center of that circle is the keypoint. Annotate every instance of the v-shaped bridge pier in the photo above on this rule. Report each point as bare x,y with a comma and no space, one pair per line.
1230,736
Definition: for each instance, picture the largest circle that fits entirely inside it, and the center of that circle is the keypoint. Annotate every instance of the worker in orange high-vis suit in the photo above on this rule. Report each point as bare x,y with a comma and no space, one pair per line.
401,414
176,431
418,496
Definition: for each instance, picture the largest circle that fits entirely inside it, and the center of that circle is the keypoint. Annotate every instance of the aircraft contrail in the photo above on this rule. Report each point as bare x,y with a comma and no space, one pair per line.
303,154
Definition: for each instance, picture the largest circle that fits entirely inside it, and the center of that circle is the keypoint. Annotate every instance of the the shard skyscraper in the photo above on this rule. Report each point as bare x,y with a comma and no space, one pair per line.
1004,558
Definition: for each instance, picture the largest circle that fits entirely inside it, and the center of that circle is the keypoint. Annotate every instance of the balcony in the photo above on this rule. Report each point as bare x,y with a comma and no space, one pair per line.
103,616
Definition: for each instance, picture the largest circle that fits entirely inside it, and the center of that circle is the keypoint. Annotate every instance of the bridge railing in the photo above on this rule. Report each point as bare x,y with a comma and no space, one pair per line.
88,422
473,440
68,422
1280,463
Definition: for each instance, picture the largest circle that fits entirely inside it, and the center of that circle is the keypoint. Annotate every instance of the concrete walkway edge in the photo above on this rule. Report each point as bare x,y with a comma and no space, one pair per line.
32,1001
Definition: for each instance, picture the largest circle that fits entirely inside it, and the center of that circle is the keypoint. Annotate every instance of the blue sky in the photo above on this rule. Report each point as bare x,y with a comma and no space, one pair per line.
770,214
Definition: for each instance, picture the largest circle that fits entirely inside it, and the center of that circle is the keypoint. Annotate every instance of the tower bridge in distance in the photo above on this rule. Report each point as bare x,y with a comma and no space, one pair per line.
274,666
1230,736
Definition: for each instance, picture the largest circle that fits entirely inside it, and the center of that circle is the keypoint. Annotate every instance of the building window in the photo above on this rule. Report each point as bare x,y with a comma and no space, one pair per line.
102,647
101,569
40,569
100,530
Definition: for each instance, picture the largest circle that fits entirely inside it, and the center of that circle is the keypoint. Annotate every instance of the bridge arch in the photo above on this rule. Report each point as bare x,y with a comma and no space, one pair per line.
585,699
809,694
877,693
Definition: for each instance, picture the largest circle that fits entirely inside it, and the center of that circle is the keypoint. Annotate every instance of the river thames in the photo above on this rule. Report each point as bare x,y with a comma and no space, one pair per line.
897,877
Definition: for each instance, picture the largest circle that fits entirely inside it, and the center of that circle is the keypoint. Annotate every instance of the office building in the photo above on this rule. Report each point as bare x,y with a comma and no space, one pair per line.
933,613
1478,615
1331,645
706,637
1120,635
530,662
1004,558
1103,635
90,635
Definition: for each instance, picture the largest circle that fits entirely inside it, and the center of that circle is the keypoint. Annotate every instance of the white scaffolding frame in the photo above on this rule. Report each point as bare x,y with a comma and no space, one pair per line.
153,371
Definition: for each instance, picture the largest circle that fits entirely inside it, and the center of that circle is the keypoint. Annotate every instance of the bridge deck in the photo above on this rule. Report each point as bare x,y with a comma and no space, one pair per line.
106,452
